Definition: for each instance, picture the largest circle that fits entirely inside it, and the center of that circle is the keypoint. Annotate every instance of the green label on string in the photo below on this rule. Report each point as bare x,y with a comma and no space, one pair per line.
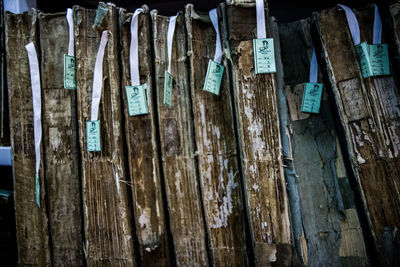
69,72
311,97
264,55
168,79
93,141
362,51
379,58
136,96
214,76
37,186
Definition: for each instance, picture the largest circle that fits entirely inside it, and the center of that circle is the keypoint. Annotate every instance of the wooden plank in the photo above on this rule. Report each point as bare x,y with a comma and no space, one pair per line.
60,144
259,142
390,15
107,219
31,220
177,146
4,105
369,131
143,151
323,188
216,148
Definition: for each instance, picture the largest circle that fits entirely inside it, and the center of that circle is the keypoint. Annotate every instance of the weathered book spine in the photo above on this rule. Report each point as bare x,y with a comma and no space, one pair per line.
259,141
4,105
177,145
107,219
31,220
216,148
390,15
60,142
368,111
143,152
326,206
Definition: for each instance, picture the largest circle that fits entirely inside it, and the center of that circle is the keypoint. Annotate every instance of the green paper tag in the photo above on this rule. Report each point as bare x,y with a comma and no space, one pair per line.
362,51
136,96
93,136
168,88
37,186
264,55
214,76
379,58
311,97
69,72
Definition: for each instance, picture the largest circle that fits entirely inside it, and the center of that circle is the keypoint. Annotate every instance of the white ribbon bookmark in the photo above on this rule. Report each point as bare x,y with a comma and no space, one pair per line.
377,35
98,77
218,47
353,24
313,68
134,50
170,38
70,21
37,110
261,31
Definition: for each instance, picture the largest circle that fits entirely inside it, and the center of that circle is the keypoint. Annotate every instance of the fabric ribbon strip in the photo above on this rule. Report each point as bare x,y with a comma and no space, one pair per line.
98,77
261,30
70,21
313,68
170,38
37,110
134,49
353,24
377,34
218,47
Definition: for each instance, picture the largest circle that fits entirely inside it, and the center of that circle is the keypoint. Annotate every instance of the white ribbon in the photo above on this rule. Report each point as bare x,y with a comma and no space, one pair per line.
134,49
170,38
377,37
37,109
218,48
353,24
313,68
70,21
98,77
261,31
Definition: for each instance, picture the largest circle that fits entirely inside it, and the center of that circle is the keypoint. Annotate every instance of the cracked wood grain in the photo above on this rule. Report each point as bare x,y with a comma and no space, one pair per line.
31,220
107,219
177,146
259,142
143,152
60,144
216,148
369,118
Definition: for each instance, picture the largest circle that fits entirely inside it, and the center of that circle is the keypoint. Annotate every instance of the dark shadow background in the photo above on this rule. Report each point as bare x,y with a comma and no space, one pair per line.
283,10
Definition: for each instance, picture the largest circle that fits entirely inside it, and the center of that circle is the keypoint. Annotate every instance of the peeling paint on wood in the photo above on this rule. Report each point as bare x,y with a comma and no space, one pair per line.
108,233
60,144
143,152
216,148
259,140
31,220
177,146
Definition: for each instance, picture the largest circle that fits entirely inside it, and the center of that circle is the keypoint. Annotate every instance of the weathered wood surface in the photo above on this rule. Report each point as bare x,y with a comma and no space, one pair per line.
259,142
143,151
390,15
107,219
177,146
328,220
216,148
31,220
369,114
60,144
4,105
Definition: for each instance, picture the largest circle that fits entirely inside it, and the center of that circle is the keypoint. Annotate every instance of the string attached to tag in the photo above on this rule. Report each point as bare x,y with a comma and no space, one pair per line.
215,70
352,23
377,34
37,111
168,78
313,67
70,21
134,49
261,30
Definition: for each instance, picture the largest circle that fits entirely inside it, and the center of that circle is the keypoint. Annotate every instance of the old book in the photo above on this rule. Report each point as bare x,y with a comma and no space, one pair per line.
107,216
143,152
4,105
60,142
368,110
259,141
31,220
390,15
320,196
177,145
216,142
